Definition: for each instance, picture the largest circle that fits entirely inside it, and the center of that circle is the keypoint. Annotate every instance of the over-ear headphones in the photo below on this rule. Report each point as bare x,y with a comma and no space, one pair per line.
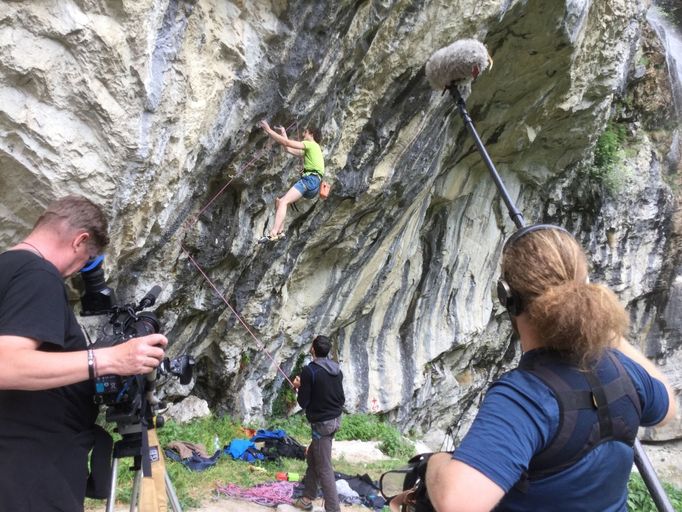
510,299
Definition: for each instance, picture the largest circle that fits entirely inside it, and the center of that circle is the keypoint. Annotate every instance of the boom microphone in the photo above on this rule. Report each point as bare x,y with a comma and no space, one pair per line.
458,65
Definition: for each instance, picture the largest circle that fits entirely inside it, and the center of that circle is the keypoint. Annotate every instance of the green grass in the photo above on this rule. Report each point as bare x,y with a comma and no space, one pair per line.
195,487
639,499
369,427
360,427
296,426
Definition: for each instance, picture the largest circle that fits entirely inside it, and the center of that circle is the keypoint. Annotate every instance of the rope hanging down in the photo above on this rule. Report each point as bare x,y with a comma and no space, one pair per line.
192,223
260,344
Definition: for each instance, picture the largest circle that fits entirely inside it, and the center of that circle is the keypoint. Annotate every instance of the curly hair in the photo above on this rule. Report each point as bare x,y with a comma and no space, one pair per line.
315,132
548,271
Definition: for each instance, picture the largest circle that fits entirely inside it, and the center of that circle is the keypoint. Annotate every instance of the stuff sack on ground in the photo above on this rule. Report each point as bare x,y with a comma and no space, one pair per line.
367,489
192,456
243,449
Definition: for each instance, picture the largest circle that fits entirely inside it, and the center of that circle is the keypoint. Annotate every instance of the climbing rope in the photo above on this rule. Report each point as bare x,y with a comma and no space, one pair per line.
267,494
195,219
261,345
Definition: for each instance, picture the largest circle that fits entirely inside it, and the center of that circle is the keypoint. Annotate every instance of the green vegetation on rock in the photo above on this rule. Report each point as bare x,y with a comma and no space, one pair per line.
607,167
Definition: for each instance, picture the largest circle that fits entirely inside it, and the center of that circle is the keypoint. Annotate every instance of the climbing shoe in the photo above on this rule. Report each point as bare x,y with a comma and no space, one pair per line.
303,503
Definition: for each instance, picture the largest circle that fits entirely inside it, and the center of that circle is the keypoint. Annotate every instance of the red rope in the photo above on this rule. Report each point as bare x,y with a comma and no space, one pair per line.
261,345
195,219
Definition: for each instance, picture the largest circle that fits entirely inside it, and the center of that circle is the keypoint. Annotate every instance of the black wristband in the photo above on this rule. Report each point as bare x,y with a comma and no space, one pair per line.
91,364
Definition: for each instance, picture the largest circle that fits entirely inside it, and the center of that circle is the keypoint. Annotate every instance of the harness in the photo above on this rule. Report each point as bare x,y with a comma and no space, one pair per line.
591,411
310,172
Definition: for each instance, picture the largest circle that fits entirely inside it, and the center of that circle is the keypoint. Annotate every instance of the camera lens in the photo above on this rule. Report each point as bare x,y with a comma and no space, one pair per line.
145,324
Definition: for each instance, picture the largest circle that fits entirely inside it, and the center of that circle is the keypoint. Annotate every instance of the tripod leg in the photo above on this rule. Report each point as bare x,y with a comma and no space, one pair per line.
111,500
172,497
135,493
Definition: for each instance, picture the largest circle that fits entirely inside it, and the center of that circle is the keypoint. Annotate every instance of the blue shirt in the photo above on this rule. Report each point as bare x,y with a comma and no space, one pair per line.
520,416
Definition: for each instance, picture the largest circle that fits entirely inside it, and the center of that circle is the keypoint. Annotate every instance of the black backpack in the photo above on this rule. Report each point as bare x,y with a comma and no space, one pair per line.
283,447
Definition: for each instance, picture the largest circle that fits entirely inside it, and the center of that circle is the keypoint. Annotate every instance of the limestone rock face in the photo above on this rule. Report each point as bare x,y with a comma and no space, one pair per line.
151,109
188,409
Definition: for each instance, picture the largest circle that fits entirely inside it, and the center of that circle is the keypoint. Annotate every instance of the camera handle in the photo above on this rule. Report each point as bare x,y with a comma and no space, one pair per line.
642,461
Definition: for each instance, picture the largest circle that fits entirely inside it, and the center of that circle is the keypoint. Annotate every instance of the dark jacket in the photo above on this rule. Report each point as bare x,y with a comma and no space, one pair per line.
321,391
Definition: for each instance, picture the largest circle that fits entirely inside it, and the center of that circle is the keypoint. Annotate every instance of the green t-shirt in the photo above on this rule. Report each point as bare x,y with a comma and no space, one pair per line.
312,157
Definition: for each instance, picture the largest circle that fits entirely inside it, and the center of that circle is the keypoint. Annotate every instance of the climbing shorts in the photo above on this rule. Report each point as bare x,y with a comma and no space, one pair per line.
308,186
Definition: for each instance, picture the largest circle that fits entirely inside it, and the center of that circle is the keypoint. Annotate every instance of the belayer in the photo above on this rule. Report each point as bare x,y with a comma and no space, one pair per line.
557,432
320,393
308,185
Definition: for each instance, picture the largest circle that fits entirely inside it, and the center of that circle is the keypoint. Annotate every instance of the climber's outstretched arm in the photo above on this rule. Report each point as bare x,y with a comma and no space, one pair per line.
282,140
283,132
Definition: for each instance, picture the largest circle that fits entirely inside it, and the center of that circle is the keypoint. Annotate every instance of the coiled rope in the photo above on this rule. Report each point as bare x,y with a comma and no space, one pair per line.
268,494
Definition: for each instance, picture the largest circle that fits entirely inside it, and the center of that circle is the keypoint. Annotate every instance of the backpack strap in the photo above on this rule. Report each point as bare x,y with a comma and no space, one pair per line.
586,416
601,402
623,386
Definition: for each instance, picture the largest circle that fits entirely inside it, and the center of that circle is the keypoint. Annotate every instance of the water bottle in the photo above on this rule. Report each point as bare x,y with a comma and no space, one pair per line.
216,443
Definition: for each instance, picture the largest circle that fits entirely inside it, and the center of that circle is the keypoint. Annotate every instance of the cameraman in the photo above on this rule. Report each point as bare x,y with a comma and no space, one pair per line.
557,432
47,413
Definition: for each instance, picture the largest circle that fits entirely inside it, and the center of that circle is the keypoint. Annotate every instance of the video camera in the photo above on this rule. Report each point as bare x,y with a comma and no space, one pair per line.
129,399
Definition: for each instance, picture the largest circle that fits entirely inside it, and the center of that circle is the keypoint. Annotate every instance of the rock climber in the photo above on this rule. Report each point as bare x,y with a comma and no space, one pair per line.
308,185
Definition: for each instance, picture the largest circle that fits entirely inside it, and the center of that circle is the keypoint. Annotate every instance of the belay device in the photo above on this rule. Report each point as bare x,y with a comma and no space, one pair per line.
453,68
